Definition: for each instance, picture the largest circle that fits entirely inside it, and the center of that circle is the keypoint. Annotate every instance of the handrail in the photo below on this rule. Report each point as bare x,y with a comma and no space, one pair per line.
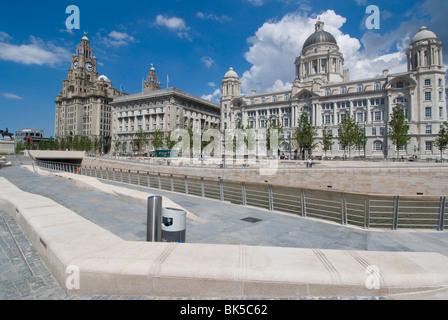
372,210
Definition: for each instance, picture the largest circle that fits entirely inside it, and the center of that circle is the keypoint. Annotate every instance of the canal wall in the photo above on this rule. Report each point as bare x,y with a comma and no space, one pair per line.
374,178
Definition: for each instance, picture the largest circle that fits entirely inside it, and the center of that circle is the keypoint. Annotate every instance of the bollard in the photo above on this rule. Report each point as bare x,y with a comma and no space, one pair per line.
154,224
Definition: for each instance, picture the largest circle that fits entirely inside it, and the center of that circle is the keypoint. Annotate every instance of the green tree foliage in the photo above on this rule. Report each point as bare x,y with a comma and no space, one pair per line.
442,139
399,129
305,135
157,140
327,140
140,142
272,125
348,133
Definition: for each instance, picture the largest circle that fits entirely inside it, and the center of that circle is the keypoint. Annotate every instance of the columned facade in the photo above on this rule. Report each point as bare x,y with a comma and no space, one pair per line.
323,90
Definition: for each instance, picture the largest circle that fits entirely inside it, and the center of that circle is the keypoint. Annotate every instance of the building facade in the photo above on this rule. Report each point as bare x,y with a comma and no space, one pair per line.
157,109
323,90
82,108
29,135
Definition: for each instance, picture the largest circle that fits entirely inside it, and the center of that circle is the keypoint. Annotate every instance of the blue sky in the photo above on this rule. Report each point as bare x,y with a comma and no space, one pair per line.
192,42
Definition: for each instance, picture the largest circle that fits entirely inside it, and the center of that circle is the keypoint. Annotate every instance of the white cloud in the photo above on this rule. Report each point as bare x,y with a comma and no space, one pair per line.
11,96
256,3
211,84
36,52
4,36
174,24
215,96
117,39
276,44
210,16
207,61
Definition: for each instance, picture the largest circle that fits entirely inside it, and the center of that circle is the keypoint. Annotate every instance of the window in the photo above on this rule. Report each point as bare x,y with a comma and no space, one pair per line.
377,86
428,112
427,82
428,96
377,146
328,92
373,131
428,129
382,131
360,88
343,90
359,117
274,99
399,85
263,100
286,97
327,119
428,146
377,116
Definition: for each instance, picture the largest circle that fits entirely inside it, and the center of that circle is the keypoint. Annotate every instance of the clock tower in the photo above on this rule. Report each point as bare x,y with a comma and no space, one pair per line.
82,108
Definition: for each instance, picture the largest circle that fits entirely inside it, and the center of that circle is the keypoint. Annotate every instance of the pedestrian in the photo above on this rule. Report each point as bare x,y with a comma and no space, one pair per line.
310,163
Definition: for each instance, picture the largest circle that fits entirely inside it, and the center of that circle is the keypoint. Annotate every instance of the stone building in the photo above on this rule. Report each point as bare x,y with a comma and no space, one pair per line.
82,108
161,110
323,90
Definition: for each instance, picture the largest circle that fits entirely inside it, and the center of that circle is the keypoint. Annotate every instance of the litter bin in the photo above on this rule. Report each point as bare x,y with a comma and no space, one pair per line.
174,225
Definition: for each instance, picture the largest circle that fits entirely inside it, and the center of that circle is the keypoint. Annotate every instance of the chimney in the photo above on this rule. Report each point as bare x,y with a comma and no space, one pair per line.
346,75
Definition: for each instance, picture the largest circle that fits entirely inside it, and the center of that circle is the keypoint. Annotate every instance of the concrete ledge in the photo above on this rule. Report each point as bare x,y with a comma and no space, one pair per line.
112,266
94,184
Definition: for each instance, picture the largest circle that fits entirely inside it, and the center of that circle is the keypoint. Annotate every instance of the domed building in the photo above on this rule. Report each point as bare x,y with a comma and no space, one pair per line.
320,58
323,89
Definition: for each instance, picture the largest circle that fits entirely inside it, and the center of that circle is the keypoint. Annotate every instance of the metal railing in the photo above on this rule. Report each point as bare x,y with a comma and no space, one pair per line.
361,210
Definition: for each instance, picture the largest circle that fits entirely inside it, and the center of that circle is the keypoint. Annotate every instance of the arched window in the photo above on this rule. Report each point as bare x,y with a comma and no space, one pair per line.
377,86
328,92
343,90
360,88
378,146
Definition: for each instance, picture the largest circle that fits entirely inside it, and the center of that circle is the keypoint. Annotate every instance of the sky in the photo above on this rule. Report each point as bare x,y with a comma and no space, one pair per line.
193,44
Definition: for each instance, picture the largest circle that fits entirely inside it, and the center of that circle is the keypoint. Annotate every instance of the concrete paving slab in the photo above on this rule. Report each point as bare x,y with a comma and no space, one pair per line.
247,263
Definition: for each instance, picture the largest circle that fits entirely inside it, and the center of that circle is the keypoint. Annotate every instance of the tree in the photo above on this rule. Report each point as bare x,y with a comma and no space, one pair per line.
96,145
85,144
398,129
117,146
442,140
140,141
305,135
348,133
327,140
76,145
360,138
169,144
157,140
272,125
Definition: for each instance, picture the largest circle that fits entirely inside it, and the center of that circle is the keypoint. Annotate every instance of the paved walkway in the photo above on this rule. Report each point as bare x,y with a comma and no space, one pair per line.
24,276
